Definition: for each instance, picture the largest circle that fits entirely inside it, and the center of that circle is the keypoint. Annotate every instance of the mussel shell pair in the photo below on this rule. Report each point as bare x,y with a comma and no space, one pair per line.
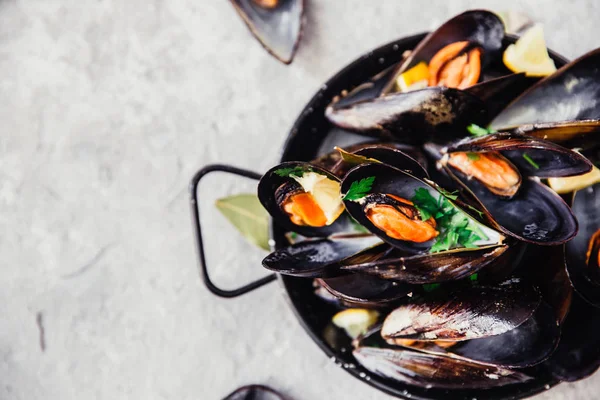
535,214
278,29
506,325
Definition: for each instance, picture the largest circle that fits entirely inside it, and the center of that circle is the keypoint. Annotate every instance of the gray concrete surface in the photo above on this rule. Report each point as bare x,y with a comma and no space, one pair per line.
107,108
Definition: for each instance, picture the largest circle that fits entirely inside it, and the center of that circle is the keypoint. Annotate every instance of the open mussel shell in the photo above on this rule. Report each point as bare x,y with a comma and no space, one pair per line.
272,191
581,253
434,371
324,257
578,354
479,27
278,28
390,180
435,113
570,94
532,156
582,134
431,268
536,214
465,314
358,290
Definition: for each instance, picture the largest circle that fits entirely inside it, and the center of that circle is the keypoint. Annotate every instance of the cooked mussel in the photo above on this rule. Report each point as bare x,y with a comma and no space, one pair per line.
303,198
490,170
410,214
582,252
277,24
434,371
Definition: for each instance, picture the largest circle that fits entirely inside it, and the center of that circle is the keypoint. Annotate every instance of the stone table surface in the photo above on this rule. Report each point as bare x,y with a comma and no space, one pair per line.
108,108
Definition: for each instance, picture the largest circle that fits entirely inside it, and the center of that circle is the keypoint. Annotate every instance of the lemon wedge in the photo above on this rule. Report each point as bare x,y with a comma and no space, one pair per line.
573,183
355,321
325,192
529,54
414,79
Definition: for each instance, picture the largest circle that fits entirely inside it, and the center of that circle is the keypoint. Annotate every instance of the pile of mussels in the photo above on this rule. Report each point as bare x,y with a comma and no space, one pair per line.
457,240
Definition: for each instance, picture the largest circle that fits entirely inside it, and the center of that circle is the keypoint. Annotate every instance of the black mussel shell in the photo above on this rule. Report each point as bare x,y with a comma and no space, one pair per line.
278,29
582,252
389,180
366,91
324,257
582,134
480,27
434,371
578,353
446,266
269,191
550,276
570,94
396,158
358,290
532,156
255,392
527,345
414,117
536,214
465,314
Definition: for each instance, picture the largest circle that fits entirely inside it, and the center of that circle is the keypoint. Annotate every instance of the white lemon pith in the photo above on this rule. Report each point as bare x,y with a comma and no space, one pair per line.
326,193
355,321
529,54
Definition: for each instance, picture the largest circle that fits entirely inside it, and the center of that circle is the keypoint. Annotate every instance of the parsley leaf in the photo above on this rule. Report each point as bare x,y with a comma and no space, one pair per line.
359,189
450,195
428,287
530,161
295,171
473,156
477,130
473,277
455,227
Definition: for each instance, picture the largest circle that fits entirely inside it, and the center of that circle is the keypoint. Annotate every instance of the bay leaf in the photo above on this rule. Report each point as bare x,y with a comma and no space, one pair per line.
354,159
245,212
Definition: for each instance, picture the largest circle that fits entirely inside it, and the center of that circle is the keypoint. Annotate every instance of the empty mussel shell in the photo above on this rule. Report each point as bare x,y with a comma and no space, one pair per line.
582,257
570,94
323,257
358,290
469,313
431,370
277,24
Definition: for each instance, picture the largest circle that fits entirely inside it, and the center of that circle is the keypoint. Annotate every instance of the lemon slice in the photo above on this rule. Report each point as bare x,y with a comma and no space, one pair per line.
573,183
529,54
355,321
326,193
414,79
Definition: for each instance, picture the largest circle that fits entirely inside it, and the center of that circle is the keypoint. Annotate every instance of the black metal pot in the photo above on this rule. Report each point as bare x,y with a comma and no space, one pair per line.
303,144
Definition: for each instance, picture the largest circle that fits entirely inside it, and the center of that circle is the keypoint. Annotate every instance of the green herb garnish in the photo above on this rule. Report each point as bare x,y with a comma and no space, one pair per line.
473,277
473,156
455,227
429,287
359,189
530,161
477,130
450,195
295,171
476,210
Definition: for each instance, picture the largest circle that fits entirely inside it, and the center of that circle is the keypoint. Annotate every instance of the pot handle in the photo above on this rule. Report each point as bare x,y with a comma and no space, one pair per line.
197,228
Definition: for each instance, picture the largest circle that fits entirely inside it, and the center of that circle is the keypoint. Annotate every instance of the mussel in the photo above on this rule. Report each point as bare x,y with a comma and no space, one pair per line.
277,24
582,257
563,107
495,171
431,370
303,198
506,325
